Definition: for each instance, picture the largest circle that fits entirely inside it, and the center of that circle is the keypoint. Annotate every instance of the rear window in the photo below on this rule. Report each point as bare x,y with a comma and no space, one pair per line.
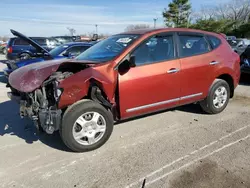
20,42
215,42
191,45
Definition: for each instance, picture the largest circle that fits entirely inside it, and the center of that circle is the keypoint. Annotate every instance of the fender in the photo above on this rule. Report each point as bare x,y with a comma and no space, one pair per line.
77,86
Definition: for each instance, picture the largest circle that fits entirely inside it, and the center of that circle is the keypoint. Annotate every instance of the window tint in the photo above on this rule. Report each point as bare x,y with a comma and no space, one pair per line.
192,45
77,50
20,42
215,42
155,49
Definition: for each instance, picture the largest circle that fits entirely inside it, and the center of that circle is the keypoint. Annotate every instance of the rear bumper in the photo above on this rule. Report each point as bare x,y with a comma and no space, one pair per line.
11,56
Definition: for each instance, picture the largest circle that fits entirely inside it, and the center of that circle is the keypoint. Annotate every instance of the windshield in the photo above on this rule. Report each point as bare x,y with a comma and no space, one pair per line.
58,50
107,49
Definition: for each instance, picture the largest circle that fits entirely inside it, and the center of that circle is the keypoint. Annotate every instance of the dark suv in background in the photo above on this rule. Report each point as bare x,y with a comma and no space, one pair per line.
18,48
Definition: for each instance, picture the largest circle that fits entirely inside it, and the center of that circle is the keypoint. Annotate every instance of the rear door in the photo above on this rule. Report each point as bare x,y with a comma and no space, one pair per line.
198,64
20,46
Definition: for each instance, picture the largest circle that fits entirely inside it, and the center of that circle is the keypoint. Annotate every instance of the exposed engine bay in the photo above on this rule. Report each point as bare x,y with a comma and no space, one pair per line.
41,105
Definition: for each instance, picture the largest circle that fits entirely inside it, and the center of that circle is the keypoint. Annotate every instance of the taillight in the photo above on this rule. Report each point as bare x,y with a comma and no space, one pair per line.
9,50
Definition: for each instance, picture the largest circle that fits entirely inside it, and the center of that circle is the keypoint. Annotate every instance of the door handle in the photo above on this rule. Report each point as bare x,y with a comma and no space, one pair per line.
214,63
173,70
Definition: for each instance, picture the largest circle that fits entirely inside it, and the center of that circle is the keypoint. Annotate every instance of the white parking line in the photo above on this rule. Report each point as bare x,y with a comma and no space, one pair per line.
198,159
184,157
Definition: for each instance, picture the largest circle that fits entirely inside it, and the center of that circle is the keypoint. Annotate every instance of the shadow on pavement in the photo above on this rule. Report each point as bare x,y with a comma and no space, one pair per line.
190,108
3,79
12,124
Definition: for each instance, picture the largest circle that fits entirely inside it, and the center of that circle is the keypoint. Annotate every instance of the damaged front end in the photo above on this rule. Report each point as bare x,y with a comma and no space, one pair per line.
41,105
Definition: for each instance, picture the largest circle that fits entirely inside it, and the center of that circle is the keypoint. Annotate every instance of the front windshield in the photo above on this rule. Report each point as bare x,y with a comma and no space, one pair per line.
58,50
108,49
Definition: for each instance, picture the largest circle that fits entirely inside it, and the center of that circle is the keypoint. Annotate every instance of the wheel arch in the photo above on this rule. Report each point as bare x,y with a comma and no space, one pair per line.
229,79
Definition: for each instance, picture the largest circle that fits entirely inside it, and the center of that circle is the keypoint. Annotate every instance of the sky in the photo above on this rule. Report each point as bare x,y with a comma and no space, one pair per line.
53,17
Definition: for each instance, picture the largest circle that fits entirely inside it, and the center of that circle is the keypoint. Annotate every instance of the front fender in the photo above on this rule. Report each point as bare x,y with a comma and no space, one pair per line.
77,86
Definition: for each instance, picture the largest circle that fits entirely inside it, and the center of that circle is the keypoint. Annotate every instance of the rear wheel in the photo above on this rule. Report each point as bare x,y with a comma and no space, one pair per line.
218,97
24,56
4,51
86,126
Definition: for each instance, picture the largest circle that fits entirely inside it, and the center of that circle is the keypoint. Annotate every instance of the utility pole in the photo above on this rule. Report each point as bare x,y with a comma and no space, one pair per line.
155,19
96,29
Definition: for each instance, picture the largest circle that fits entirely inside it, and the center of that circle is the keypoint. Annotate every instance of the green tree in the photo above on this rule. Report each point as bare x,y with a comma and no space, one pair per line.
213,25
177,14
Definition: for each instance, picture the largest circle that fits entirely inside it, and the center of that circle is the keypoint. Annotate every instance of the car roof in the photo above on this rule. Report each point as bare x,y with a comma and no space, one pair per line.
78,44
147,31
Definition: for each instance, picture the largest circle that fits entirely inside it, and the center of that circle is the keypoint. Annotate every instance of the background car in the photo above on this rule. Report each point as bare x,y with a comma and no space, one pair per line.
19,48
239,45
69,50
64,39
3,49
245,61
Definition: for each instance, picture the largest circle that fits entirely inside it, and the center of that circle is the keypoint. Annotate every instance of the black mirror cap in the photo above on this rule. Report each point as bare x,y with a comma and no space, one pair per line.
132,61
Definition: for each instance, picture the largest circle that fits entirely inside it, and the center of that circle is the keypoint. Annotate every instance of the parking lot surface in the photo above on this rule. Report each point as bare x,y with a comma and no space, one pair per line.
181,147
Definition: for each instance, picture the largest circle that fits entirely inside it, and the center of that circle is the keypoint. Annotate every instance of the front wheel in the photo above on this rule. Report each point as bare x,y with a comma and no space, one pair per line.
218,97
86,126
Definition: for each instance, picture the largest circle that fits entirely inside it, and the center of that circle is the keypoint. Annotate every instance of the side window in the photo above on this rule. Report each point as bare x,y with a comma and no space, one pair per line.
192,45
40,41
215,42
155,49
20,42
76,50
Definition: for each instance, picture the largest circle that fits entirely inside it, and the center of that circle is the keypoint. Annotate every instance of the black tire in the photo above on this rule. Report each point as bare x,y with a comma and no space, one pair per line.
73,113
25,56
4,51
207,104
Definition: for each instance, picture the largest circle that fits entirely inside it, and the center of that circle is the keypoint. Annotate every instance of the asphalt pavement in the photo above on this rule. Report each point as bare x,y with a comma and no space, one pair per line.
181,147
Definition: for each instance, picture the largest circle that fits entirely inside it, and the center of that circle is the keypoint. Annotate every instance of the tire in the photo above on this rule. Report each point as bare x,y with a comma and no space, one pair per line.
76,111
24,56
4,51
208,104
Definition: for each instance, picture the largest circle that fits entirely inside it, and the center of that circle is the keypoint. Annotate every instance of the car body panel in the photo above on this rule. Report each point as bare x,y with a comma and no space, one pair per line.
148,85
30,77
77,86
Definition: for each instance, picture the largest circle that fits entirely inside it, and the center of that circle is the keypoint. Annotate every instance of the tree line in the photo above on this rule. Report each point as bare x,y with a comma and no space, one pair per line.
231,18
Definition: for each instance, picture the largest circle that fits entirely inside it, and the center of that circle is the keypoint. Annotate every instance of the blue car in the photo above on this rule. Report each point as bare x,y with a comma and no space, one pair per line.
69,50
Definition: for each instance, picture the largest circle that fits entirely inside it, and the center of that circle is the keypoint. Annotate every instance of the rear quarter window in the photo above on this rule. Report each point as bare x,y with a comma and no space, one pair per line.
20,42
215,42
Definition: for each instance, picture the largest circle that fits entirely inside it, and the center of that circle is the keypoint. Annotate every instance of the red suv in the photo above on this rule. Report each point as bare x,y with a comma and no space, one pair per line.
124,76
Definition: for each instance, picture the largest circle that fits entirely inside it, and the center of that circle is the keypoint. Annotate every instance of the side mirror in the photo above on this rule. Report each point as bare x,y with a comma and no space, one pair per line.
124,67
132,61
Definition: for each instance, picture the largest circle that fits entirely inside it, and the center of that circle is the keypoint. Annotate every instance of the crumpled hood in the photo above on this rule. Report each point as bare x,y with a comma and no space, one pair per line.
31,77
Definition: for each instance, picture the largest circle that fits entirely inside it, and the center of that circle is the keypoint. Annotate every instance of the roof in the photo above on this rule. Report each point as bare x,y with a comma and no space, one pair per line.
150,30
78,43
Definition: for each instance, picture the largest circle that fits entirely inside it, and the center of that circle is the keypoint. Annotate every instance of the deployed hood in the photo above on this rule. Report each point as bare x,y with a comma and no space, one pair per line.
38,47
31,77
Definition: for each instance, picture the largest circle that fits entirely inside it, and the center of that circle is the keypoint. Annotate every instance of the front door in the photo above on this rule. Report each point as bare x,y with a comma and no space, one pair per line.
154,83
